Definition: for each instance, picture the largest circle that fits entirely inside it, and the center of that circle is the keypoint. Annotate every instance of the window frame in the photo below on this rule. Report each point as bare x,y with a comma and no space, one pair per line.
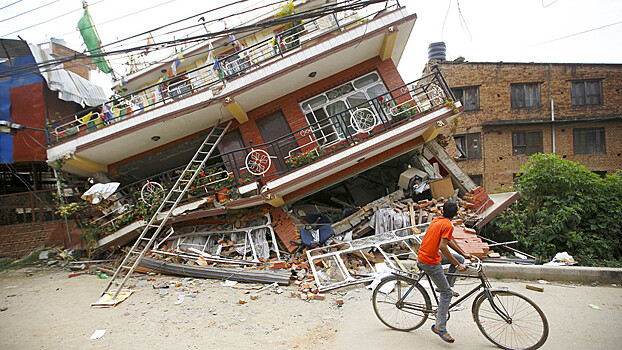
325,129
528,149
575,100
462,92
464,148
519,93
585,149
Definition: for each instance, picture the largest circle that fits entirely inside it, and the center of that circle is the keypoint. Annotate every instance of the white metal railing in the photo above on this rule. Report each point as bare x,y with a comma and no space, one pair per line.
205,77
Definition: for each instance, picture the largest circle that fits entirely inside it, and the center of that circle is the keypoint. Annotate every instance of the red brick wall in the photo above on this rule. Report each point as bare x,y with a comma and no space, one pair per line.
498,164
27,108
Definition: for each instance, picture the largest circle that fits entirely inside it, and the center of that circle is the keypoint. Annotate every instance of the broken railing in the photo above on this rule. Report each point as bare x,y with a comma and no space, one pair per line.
352,262
209,78
242,172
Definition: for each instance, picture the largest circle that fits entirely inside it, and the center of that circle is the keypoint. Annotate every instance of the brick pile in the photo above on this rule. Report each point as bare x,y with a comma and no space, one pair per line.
468,241
478,200
285,228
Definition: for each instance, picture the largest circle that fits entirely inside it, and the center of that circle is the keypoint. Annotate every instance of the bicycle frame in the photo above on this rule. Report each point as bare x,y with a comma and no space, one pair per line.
483,284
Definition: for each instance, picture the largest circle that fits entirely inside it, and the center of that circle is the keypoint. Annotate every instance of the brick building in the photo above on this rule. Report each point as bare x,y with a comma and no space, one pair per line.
317,107
513,110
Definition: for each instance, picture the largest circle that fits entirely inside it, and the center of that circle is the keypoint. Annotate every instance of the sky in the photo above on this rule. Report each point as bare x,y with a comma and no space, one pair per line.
567,31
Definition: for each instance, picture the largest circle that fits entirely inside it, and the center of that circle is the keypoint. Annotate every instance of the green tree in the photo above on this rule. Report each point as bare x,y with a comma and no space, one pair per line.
565,207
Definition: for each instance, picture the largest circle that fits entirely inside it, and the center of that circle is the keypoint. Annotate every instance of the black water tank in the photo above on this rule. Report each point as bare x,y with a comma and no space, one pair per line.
436,51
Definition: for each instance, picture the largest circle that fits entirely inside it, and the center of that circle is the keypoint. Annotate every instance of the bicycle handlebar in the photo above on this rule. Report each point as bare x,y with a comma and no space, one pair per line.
474,264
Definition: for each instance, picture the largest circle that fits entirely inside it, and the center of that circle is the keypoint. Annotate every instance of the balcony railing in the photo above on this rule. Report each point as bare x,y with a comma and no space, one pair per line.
227,173
210,78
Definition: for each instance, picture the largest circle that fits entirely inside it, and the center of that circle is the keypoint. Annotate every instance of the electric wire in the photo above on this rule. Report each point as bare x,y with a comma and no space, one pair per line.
315,13
49,20
5,6
575,34
34,9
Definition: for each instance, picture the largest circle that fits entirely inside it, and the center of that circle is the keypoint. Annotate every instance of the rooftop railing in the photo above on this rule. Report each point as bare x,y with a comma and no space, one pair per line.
210,78
242,172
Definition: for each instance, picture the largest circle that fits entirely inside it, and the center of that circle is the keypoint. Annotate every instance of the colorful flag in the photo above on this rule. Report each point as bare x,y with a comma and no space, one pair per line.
122,82
172,71
216,68
91,39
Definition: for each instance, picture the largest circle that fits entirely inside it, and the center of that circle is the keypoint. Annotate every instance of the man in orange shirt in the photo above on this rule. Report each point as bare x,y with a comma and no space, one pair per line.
437,237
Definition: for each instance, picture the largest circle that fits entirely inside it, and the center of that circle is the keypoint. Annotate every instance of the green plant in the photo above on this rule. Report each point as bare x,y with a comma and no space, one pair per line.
566,207
304,158
404,111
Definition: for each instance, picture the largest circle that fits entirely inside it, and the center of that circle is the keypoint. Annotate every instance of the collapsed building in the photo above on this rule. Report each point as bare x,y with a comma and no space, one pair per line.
250,148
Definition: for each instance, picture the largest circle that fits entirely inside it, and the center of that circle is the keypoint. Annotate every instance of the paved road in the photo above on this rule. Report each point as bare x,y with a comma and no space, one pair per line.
573,323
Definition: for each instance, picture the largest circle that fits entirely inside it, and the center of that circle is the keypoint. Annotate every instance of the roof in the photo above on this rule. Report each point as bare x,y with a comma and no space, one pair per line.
70,86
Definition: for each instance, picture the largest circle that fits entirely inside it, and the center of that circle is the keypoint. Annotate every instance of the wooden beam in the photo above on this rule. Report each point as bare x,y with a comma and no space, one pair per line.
274,200
236,110
388,43
86,164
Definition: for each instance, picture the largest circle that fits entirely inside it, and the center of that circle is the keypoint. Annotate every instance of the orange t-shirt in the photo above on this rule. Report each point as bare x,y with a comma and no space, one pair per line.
439,228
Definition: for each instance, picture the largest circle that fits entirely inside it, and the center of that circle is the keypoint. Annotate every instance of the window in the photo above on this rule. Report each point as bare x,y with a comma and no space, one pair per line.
323,111
600,173
587,92
525,95
477,178
468,146
589,140
526,142
275,127
468,96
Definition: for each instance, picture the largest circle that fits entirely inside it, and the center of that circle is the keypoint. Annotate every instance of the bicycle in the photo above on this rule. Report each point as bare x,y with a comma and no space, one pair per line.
507,319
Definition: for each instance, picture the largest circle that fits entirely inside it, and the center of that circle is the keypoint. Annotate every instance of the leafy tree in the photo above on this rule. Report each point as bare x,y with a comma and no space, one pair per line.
565,207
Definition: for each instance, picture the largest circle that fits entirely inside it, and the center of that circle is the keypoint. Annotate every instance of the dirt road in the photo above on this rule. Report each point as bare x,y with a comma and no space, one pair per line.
48,310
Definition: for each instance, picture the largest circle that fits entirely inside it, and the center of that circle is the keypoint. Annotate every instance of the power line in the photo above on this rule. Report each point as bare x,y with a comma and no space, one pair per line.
314,13
5,6
36,8
575,34
49,20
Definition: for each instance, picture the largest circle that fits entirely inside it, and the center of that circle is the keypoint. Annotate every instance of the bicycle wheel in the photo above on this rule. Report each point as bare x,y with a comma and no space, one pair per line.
526,326
400,304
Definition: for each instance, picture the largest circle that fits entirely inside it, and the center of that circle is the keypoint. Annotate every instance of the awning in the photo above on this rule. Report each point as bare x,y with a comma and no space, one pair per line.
70,86
501,202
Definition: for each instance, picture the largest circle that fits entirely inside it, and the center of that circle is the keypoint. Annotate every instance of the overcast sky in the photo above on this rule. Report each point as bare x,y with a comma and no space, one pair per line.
479,30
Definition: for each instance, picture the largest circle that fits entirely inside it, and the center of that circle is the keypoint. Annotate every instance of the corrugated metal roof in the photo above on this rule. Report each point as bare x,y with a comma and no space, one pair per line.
70,86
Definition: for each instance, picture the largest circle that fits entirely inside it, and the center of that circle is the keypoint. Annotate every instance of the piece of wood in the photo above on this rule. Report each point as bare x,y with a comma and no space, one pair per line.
411,209
399,263
536,288
442,188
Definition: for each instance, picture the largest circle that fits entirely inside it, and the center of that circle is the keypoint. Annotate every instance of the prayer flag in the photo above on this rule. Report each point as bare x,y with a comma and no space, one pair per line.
91,39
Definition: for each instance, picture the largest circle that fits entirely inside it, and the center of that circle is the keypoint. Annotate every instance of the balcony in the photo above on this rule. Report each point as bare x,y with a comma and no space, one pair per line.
300,163
260,73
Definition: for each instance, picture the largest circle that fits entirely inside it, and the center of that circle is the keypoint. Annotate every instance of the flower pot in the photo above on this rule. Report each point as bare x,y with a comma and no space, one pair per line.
222,195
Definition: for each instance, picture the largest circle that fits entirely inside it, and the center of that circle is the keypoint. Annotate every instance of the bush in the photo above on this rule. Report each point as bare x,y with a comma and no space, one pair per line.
566,207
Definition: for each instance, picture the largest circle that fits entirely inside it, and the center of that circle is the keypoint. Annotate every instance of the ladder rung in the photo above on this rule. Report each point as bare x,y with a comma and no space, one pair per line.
146,238
126,267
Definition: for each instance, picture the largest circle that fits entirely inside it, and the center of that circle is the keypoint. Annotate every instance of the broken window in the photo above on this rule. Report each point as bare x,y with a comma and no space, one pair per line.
526,142
525,95
589,140
468,96
586,92
327,112
468,146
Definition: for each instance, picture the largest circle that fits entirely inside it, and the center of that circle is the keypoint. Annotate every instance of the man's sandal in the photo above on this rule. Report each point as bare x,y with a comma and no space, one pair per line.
443,334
